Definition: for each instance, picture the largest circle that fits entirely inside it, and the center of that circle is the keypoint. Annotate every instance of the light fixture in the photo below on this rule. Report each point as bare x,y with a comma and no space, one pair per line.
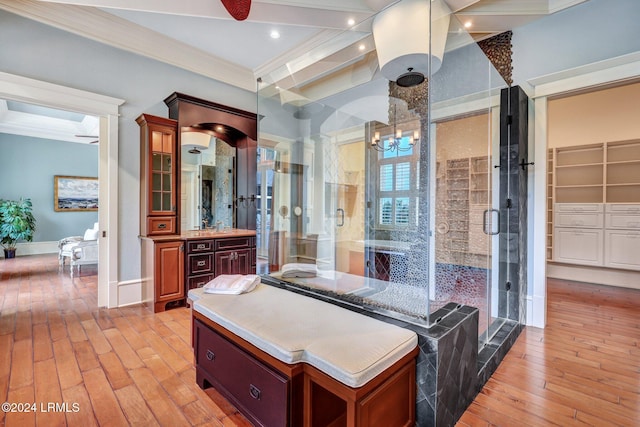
394,142
351,22
196,140
403,43
274,34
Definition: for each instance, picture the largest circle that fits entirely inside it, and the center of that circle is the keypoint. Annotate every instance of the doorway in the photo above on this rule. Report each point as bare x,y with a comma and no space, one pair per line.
18,88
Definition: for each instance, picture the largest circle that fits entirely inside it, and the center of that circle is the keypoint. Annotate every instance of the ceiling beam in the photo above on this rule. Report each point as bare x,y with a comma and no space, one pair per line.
109,29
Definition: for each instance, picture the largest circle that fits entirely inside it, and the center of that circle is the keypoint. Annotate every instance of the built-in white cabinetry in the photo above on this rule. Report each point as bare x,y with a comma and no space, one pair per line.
578,235
597,234
622,236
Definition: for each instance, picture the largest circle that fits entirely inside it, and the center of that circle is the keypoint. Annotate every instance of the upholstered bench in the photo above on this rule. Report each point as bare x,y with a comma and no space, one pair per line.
288,359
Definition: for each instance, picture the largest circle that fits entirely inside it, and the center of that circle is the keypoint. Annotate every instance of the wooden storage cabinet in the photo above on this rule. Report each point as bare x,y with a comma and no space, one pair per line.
158,175
163,272
206,259
262,392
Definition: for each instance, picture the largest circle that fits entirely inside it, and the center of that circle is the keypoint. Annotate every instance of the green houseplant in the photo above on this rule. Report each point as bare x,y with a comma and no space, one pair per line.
16,223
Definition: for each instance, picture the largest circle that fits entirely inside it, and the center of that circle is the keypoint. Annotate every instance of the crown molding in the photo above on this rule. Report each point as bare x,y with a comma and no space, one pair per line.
117,32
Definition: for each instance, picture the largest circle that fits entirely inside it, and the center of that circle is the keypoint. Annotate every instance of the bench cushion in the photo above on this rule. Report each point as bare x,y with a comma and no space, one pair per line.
350,347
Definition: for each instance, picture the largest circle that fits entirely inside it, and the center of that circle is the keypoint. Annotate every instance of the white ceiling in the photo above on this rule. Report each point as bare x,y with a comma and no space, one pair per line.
200,36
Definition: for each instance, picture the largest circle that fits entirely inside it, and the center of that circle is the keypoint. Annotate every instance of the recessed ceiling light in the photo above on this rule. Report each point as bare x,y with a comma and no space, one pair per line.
351,21
467,24
275,34
361,47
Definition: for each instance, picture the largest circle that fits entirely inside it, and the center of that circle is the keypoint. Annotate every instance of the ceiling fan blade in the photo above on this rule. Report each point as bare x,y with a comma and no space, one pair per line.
239,9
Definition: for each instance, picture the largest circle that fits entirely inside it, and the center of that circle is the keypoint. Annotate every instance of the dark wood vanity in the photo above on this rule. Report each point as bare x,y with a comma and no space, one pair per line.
175,260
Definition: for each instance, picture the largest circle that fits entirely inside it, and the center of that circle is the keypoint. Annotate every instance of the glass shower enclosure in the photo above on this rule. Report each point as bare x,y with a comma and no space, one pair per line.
387,193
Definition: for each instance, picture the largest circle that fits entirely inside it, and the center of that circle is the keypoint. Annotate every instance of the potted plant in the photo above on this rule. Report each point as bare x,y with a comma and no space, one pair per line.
16,223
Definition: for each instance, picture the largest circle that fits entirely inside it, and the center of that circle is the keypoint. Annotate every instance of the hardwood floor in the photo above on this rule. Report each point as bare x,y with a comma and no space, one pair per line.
112,367
128,366
583,369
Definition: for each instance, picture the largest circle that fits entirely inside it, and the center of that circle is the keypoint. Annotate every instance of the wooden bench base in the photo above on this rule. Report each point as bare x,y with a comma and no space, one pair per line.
270,392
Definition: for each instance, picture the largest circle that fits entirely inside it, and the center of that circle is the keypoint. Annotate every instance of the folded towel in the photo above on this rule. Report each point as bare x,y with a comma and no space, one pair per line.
299,270
232,284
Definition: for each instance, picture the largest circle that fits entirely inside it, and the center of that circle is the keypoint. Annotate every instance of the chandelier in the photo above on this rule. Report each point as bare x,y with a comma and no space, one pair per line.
395,141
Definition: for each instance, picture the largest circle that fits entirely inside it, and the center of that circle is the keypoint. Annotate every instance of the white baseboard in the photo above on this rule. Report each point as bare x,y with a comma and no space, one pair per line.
597,275
129,292
35,248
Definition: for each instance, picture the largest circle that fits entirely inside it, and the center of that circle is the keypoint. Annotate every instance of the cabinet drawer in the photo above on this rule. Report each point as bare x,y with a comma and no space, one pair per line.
626,208
622,249
584,220
578,246
159,225
232,243
259,390
199,281
614,220
200,264
577,207
197,246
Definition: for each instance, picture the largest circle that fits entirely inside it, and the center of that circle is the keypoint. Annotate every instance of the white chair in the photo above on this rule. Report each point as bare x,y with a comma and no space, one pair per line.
84,253
66,245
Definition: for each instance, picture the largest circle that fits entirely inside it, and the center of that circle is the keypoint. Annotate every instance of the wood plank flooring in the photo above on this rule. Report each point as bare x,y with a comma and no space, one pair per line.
128,366
114,367
583,369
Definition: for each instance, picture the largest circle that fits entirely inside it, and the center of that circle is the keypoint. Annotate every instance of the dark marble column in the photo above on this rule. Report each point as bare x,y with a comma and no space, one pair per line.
513,202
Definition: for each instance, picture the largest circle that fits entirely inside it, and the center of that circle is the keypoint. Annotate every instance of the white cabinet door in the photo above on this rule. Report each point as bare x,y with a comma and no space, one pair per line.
622,249
578,246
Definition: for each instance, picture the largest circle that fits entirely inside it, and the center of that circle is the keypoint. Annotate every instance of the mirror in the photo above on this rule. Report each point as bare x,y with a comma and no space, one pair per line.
207,181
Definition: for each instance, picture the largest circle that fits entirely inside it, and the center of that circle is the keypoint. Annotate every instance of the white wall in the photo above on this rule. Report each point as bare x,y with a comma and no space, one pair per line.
41,52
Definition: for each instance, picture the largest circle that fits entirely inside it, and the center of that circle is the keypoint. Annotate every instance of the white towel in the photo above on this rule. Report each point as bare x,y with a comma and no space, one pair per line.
299,270
232,284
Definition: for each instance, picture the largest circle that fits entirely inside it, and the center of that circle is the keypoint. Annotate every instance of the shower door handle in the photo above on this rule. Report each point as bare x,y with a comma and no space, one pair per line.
341,212
485,222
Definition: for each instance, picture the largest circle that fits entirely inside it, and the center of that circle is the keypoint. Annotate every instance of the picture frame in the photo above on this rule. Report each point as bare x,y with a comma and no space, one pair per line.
75,193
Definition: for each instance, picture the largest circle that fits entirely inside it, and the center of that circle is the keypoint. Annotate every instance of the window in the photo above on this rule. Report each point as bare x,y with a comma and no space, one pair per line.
397,186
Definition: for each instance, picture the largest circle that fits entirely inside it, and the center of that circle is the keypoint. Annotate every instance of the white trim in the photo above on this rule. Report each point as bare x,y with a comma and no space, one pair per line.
597,275
621,68
55,96
129,292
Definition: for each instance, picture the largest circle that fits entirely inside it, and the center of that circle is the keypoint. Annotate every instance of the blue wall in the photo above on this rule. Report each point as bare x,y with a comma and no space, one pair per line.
27,168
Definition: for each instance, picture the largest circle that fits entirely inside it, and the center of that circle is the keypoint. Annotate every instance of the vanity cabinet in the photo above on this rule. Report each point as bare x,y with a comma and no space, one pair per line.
234,256
158,175
208,258
163,272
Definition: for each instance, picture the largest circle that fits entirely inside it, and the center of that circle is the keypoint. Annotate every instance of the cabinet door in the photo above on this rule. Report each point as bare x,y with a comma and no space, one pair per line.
622,249
169,274
242,262
233,262
224,262
578,246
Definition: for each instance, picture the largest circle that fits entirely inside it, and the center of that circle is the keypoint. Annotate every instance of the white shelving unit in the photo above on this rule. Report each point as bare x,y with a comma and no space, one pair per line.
596,205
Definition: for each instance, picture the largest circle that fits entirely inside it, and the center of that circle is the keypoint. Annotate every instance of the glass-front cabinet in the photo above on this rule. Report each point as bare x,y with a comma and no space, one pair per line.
158,173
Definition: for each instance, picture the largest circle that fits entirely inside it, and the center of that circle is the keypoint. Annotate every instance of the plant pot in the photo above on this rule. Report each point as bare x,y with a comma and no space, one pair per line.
9,253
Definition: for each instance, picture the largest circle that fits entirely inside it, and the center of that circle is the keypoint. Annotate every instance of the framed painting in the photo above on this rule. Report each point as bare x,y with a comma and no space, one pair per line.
75,193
